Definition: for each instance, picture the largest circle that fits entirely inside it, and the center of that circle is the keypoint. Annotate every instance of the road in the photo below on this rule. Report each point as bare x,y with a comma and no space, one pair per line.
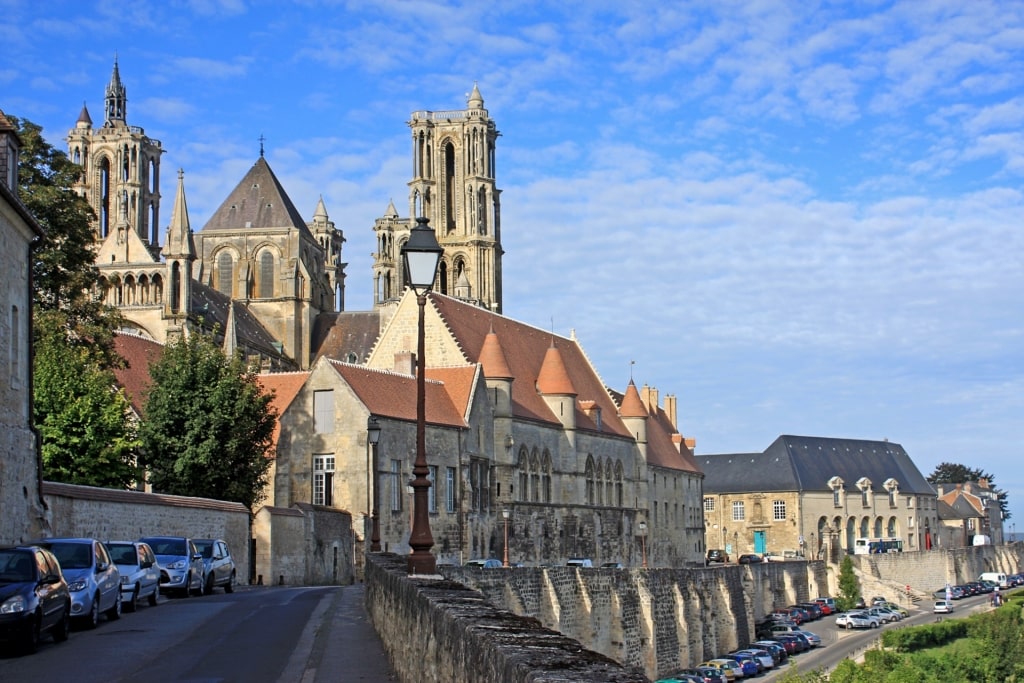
838,643
254,635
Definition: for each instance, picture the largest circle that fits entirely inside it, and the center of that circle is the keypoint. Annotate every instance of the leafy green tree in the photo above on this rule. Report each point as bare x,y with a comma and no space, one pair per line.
208,425
88,433
954,473
849,586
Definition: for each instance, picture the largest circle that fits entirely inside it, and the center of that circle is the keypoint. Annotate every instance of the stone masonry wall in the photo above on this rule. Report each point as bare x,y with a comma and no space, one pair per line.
440,631
889,574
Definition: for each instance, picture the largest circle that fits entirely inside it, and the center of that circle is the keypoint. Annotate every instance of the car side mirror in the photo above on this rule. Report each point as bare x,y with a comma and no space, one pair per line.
197,556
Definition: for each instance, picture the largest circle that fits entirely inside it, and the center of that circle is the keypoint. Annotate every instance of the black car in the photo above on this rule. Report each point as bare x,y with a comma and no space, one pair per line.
749,558
34,597
717,555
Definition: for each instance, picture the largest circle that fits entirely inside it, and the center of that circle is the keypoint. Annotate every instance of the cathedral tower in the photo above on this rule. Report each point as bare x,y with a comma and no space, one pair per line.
453,184
121,178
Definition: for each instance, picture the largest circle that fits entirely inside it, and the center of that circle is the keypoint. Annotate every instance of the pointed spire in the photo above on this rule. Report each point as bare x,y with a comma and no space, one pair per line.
553,377
632,406
321,211
116,97
492,358
84,120
391,211
476,100
179,232
230,332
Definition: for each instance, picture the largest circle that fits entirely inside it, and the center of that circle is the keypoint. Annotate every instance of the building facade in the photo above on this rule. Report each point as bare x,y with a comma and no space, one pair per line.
20,472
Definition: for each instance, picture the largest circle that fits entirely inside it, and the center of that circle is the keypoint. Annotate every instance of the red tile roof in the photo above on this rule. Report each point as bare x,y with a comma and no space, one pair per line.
492,357
390,394
553,377
632,406
284,386
139,353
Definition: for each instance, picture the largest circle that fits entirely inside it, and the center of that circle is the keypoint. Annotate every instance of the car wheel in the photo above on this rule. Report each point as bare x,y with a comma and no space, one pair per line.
30,641
874,624
132,603
229,587
208,588
92,619
114,613
154,597
186,592
62,629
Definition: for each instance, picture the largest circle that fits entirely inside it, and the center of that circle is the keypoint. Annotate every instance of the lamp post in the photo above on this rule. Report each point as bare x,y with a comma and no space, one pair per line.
505,513
420,256
372,438
643,543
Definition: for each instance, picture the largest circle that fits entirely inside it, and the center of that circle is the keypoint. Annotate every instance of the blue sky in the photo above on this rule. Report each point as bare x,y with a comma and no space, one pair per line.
798,217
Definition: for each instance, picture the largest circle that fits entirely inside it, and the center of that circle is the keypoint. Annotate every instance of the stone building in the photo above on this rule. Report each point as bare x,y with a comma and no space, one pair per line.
974,510
20,493
814,496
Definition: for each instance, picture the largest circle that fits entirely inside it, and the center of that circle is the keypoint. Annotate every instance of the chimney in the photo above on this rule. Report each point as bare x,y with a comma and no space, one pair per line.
645,397
405,363
670,410
652,407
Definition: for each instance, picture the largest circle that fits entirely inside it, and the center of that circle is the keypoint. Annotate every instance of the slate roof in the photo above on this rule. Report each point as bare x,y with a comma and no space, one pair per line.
258,202
212,307
806,463
335,335
525,349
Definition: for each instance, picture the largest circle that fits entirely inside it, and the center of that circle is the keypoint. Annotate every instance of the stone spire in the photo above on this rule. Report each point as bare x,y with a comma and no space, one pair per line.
476,100
116,99
180,243
84,120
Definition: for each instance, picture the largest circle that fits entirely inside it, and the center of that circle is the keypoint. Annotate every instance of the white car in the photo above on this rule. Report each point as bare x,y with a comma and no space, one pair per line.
943,607
884,615
857,620
181,565
140,572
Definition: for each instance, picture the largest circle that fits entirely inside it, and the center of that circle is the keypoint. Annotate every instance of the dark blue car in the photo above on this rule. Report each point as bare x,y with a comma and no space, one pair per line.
748,664
34,597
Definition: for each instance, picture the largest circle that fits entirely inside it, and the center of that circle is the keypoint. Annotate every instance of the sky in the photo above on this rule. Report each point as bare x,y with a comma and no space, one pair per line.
797,217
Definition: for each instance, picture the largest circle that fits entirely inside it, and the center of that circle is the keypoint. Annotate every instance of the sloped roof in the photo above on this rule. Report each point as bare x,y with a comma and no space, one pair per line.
806,463
212,306
525,348
284,386
335,335
459,383
964,501
258,202
390,394
139,353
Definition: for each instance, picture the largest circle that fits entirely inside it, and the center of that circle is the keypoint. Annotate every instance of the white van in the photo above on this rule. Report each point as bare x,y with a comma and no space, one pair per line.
998,578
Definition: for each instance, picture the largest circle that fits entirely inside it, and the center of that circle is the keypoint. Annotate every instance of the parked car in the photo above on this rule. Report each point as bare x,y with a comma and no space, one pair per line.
140,572
813,609
748,665
730,668
611,565
885,616
790,639
490,563
777,649
706,674
829,603
582,562
93,580
813,638
716,555
34,597
857,620
680,677
943,607
218,565
763,657
181,565
749,558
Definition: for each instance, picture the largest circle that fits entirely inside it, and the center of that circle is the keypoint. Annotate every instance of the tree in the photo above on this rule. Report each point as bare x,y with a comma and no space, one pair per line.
88,433
849,586
208,425
954,473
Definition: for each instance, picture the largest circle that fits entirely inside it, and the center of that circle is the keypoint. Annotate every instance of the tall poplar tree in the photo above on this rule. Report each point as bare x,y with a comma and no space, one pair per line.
208,426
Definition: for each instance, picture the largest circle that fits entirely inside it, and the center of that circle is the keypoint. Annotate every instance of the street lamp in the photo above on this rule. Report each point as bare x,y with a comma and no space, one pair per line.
505,514
420,256
643,542
372,439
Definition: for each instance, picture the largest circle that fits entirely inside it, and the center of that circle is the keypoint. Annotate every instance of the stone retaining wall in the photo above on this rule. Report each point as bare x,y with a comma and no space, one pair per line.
439,631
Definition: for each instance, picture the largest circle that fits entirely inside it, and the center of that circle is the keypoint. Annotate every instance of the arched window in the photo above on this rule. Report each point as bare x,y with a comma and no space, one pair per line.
609,483
104,187
599,484
546,476
535,477
175,286
225,273
442,277
524,475
266,283
588,474
618,484
449,187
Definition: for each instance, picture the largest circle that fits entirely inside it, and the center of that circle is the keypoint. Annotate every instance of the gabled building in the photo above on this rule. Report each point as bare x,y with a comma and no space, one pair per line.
977,512
815,496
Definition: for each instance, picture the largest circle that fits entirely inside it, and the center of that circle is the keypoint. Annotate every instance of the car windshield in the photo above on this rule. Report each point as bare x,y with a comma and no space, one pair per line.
15,567
168,546
73,555
205,548
123,553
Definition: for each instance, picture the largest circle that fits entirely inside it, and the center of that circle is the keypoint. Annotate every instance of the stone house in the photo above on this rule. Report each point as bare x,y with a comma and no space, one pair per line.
814,496
20,493
976,512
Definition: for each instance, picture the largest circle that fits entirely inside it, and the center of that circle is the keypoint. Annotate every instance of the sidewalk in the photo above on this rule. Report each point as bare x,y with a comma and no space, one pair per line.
339,643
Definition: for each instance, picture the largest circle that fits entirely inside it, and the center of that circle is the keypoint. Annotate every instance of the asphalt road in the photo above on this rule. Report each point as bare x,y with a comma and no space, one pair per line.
255,635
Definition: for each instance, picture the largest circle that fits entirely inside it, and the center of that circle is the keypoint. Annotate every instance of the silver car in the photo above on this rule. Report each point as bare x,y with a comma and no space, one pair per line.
140,572
218,566
181,565
93,580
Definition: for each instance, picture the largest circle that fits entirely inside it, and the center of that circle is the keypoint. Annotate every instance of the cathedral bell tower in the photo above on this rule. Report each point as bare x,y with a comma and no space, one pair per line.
453,184
121,169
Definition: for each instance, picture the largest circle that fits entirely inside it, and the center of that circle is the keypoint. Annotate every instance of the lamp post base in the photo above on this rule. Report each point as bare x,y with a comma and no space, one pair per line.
422,563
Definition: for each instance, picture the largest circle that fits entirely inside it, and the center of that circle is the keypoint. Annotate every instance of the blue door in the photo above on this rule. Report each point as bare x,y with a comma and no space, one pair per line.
760,542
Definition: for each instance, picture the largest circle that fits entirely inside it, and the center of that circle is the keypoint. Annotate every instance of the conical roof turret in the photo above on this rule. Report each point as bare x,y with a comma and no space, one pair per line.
84,120
321,210
476,100
632,405
553,377
492,358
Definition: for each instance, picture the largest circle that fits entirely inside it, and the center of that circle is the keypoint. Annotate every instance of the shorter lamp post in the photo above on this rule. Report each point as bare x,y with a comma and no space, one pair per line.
505,513
372,439
643,543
